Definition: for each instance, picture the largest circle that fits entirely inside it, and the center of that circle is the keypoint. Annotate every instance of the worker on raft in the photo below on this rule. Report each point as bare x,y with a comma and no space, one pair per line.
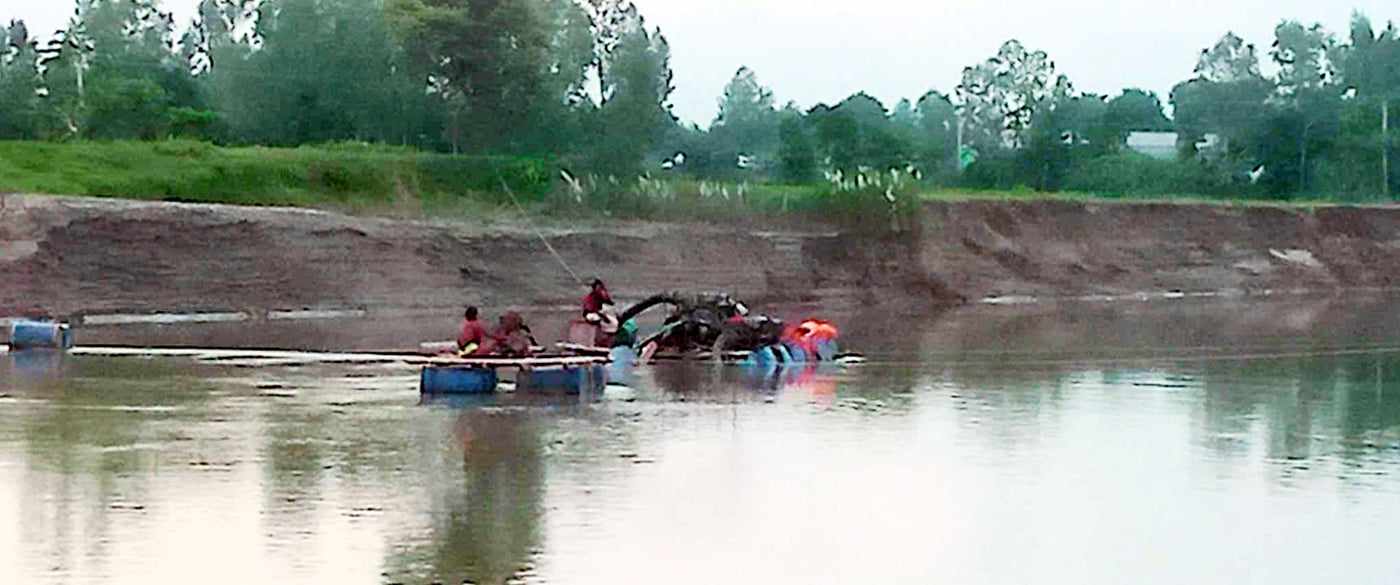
598,297
472,340
816,339
598,311
511,337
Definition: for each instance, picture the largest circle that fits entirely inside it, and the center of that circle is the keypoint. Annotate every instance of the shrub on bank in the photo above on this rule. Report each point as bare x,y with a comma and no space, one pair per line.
1131,174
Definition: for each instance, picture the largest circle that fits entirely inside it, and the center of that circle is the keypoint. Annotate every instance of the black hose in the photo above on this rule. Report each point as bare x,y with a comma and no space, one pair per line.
639,308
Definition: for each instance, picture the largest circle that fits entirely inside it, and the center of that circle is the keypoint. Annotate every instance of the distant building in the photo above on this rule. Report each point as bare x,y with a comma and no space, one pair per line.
1160,145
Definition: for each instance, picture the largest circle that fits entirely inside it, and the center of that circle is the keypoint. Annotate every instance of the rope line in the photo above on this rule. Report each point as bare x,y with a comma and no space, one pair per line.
533,227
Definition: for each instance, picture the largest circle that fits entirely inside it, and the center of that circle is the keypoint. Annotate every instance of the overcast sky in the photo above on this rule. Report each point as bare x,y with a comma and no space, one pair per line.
823,50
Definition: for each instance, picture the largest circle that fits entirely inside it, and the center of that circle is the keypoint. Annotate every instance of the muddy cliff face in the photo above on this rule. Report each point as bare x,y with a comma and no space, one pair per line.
73,256
70,256
1069,249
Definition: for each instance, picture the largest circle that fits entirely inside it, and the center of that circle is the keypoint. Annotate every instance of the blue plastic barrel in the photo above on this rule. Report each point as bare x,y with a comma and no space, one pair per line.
568,379
797,354
457,380
40,335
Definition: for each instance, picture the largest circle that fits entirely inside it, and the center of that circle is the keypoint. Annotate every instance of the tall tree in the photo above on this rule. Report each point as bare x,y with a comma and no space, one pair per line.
937,142
1134,110
747,123
637,111
1228,97
857,133
19,83
112,72
135,78
220,30
610,21
1371,67
66,61
1308,90
905,118
571,51
797,158
489,61
1000,95
1067,126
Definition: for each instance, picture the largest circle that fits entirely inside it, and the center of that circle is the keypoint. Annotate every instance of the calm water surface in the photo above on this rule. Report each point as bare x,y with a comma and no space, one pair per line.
1200,444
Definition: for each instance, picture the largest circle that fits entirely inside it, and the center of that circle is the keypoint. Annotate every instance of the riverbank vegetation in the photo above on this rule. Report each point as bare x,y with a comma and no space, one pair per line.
392,180
402,181
436,103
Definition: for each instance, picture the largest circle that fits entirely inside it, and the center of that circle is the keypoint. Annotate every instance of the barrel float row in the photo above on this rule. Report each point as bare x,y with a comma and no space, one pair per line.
790,353
480,380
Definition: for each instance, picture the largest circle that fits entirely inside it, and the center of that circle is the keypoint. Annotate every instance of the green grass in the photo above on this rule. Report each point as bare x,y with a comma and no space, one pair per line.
377,180
381,180
351,177
954,195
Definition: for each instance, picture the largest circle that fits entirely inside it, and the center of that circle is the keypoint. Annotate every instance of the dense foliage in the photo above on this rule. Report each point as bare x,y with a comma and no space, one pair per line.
585,85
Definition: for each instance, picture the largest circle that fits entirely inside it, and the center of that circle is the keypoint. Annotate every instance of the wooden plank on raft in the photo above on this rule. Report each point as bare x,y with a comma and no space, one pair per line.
534,362
283,357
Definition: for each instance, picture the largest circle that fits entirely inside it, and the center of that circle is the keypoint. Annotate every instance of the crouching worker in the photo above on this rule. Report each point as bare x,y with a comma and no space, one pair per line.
816,340
513,337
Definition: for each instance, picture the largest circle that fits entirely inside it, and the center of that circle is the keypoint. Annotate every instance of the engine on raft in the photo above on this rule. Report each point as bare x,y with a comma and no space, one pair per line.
719,324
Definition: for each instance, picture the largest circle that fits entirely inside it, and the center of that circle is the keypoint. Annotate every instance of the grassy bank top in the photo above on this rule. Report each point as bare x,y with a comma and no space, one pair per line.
367,179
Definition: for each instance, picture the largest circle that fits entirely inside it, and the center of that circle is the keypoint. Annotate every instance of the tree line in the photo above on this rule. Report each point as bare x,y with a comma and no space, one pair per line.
587,83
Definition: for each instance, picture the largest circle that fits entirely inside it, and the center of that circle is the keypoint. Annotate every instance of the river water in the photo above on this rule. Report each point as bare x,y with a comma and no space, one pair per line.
1176,443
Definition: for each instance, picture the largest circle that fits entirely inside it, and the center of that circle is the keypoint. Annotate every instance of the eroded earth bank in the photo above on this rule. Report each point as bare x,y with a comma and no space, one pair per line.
73,257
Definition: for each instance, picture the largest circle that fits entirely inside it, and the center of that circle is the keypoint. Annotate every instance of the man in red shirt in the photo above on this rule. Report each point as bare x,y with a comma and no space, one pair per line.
472,339
605,324
596,299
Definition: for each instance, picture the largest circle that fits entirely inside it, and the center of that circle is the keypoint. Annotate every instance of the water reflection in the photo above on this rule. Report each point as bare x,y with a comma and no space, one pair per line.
30,367
985,447
1305,412
485,511
89,431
